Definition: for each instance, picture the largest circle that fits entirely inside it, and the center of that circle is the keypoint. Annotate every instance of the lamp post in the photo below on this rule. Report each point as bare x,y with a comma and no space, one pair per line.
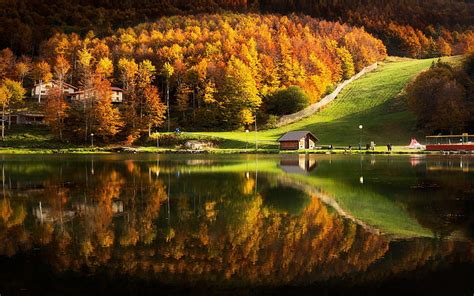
256,145
92,139
360,136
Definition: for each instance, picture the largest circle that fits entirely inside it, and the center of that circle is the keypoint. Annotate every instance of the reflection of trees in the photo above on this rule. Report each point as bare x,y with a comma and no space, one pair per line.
407,256
442,201
12,235
222,230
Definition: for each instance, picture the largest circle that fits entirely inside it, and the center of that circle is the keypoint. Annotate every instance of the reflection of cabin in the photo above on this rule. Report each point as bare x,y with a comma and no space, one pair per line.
297,140
117,207
298,164
46,86
47,214
44,213
116,95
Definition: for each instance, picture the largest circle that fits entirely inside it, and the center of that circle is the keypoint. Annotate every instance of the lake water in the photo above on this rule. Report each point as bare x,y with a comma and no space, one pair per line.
203,224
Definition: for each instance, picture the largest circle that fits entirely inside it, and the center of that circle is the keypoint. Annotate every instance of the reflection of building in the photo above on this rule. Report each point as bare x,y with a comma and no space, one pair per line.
117,207
297,140
47,214
298,164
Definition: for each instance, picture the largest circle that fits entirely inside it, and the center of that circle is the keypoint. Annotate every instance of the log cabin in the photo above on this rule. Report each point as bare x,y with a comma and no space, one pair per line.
297,140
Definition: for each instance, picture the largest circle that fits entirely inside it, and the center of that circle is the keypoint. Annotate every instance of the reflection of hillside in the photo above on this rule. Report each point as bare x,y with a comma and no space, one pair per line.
227,227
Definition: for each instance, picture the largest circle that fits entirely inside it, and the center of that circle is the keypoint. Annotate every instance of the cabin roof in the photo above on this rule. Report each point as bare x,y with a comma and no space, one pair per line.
113,88
57,82
296,136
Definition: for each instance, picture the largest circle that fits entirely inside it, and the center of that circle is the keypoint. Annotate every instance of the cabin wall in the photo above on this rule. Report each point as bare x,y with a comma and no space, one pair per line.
117,97
289,145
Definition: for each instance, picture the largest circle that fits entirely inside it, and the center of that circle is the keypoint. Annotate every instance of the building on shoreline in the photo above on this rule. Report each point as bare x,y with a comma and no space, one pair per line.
297,140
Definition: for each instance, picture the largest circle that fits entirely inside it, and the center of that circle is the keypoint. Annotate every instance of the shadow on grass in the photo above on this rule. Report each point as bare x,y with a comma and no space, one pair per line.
31,136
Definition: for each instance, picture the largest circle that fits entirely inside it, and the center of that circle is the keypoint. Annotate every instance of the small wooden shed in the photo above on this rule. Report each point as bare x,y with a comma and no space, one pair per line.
296,140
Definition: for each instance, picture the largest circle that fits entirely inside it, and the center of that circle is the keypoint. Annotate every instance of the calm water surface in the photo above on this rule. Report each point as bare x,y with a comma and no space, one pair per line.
187,224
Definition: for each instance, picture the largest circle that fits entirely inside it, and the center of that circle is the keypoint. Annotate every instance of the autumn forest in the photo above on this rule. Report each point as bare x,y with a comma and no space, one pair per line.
197,66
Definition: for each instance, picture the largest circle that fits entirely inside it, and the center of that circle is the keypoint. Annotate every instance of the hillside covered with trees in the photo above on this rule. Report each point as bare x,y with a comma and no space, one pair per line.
214,71
209,65
423,28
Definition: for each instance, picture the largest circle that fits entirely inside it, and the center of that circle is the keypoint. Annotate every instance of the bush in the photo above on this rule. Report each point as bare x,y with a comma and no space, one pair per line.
272,121
287,101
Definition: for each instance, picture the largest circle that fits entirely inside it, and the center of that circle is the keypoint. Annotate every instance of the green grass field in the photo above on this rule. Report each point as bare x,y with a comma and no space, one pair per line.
371,101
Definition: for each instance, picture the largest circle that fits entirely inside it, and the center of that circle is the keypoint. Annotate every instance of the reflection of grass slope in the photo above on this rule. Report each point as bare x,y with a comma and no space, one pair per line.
370,101
362,203
372,208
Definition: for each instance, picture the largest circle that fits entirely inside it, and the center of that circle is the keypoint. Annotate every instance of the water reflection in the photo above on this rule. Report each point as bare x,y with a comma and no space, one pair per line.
298,164
235,221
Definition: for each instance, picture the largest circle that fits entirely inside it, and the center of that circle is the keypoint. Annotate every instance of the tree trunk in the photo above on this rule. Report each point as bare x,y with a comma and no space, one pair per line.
60,128
41,88
3,123
194,103
168,102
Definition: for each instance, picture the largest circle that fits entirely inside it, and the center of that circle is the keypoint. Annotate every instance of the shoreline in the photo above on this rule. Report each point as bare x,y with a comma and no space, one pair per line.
154,150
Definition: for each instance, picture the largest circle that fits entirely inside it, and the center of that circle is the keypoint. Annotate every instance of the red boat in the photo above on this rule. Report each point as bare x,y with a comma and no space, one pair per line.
462,142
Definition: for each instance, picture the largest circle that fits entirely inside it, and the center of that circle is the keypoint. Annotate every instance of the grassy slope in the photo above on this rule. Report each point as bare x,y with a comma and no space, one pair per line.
370,101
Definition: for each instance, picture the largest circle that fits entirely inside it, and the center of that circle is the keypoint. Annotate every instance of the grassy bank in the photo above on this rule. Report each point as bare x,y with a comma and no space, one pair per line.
373,101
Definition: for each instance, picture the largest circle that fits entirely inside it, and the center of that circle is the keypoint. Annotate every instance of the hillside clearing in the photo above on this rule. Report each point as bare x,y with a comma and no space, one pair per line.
371,101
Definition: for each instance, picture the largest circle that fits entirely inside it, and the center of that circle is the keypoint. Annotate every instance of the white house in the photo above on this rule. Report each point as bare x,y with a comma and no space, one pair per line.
44,87
116,96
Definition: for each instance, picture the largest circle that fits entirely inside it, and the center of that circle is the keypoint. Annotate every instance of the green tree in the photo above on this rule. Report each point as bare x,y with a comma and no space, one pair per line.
10,92
438,100
348,69
287,101
239,92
